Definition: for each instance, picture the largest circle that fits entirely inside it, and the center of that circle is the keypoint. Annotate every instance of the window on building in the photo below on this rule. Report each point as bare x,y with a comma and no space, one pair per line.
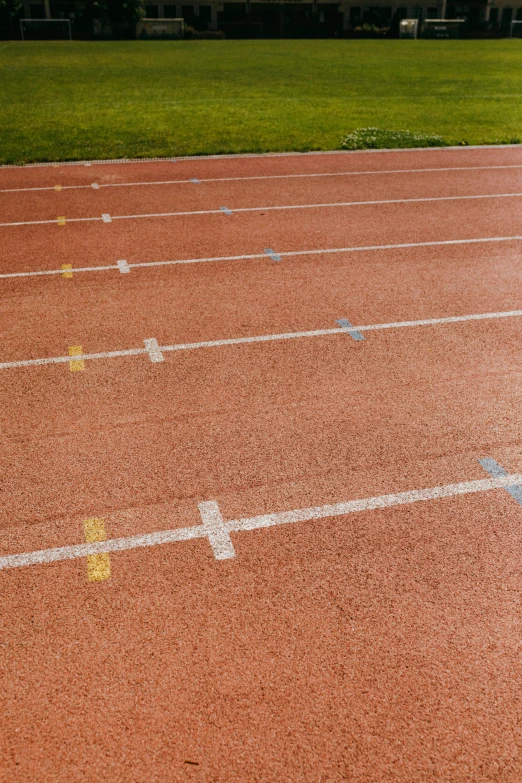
507,16
431,13
151,11
355,14
170,12
187,12
493,15
519,14
205,14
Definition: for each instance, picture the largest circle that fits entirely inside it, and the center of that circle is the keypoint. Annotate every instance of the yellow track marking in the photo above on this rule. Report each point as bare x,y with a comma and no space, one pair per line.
76,365
57,187
61,220
98,566
67,271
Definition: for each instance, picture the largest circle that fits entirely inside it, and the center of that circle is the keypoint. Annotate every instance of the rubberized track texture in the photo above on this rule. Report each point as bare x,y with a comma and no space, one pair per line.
261,469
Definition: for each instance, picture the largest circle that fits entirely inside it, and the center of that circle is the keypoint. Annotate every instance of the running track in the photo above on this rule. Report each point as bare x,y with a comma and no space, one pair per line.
261,469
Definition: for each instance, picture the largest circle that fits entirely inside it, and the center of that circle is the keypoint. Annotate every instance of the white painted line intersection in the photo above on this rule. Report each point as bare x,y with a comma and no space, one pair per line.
155,351
218,531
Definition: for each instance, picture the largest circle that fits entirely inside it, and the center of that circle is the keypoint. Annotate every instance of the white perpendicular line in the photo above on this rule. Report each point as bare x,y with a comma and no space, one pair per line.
155,351
106,218
218,531
380,172
282,254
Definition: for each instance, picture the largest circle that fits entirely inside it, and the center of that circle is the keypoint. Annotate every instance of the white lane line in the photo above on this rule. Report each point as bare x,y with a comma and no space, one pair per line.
249,256
62,359
263,176
369,504
123,266
59,271
227,211
218,531
153,349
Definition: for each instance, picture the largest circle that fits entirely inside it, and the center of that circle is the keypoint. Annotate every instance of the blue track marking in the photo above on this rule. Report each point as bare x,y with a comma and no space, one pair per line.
347,326
226,210
272,253
494,469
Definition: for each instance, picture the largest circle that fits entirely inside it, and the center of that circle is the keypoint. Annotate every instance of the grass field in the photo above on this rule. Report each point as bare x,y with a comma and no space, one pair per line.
74,100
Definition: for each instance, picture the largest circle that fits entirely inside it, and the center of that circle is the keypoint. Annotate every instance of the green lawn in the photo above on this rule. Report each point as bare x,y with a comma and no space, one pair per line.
74,100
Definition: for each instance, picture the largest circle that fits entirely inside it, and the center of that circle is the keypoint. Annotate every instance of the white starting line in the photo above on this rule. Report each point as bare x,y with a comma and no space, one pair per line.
155,351
217,530
124,267
106,218
193,180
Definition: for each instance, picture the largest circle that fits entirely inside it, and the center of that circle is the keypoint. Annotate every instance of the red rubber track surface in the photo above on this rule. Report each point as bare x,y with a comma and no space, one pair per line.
377,646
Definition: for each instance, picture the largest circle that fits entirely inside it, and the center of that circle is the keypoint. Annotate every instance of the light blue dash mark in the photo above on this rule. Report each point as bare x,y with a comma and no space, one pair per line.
494,469
195,181
273,255
226,210
347,326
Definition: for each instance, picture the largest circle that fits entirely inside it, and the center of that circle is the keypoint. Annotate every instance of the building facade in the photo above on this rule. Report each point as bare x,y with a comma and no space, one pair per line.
302,18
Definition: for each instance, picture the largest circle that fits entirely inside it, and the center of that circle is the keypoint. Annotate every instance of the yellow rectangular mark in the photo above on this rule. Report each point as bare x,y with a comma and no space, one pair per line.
67,271
98,566
57,187
61,220
76,365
